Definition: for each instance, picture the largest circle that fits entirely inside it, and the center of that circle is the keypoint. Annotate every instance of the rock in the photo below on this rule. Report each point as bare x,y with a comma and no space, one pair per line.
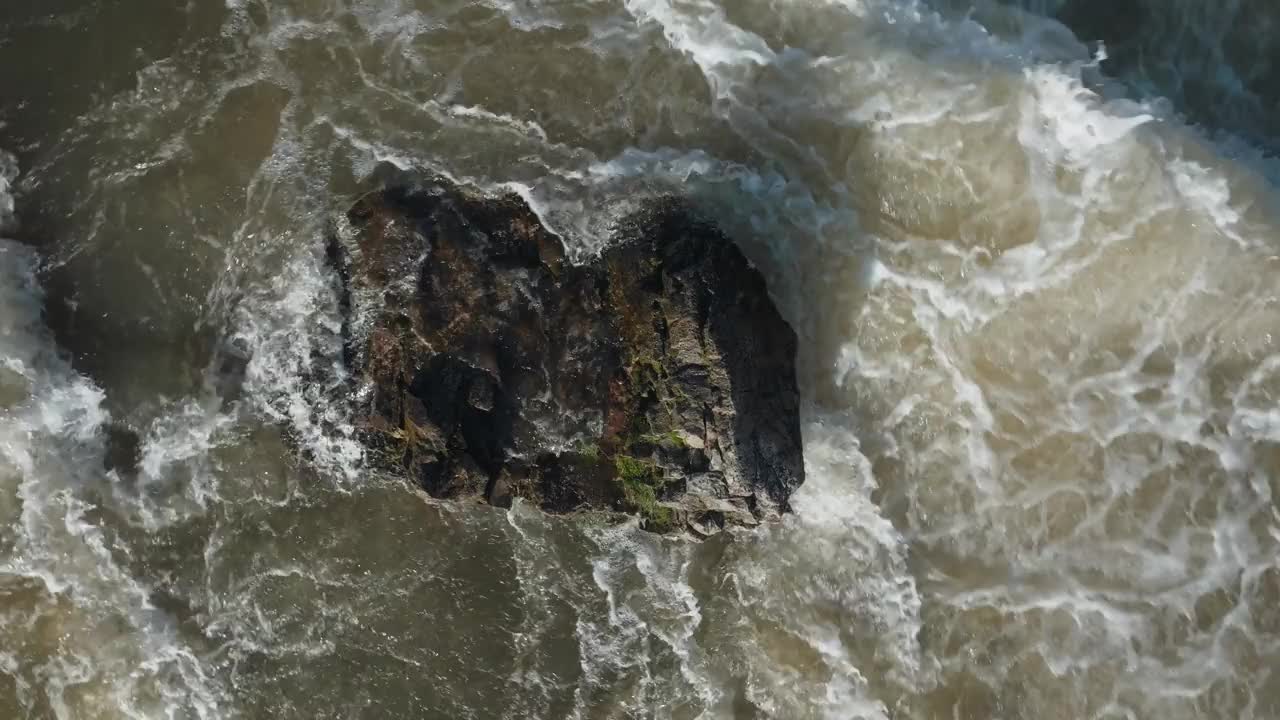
657,379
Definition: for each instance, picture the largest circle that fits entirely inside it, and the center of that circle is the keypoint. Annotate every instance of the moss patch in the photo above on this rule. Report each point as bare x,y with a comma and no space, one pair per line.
640,480
600,518
669,439
634,471
588,450
654,405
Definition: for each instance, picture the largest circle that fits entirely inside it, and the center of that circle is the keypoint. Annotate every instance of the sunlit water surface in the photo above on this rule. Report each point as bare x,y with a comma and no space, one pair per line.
1036,292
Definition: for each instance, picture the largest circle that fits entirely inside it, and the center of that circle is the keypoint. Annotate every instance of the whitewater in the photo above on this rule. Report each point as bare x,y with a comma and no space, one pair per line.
1031,252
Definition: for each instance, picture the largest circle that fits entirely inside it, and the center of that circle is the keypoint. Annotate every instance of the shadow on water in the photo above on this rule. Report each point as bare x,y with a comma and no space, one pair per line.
65,57
354,598
1217,64
125,281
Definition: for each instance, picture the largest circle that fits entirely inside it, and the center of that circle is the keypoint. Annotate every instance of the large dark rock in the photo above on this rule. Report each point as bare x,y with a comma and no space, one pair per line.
658,379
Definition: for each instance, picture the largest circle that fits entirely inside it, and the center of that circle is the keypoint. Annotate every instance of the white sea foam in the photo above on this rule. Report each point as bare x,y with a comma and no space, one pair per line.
110,653
1037,355
295,376
1043,250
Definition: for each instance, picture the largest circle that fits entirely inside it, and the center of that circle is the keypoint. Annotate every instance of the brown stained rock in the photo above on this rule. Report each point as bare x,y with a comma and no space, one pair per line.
657,379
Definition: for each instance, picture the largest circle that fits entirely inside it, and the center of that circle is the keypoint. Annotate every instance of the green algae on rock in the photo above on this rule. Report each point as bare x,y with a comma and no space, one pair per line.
657,379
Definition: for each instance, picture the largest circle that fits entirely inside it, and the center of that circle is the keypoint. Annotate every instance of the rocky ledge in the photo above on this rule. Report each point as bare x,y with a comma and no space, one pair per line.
656,380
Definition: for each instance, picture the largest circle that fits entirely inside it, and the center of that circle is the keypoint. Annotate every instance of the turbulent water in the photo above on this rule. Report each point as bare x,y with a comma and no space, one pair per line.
1035,277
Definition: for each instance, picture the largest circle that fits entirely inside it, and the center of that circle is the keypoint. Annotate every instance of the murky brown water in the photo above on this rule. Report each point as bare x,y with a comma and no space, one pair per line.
1038,358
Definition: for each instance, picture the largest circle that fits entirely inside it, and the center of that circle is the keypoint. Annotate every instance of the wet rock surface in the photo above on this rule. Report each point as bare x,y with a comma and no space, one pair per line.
657,379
